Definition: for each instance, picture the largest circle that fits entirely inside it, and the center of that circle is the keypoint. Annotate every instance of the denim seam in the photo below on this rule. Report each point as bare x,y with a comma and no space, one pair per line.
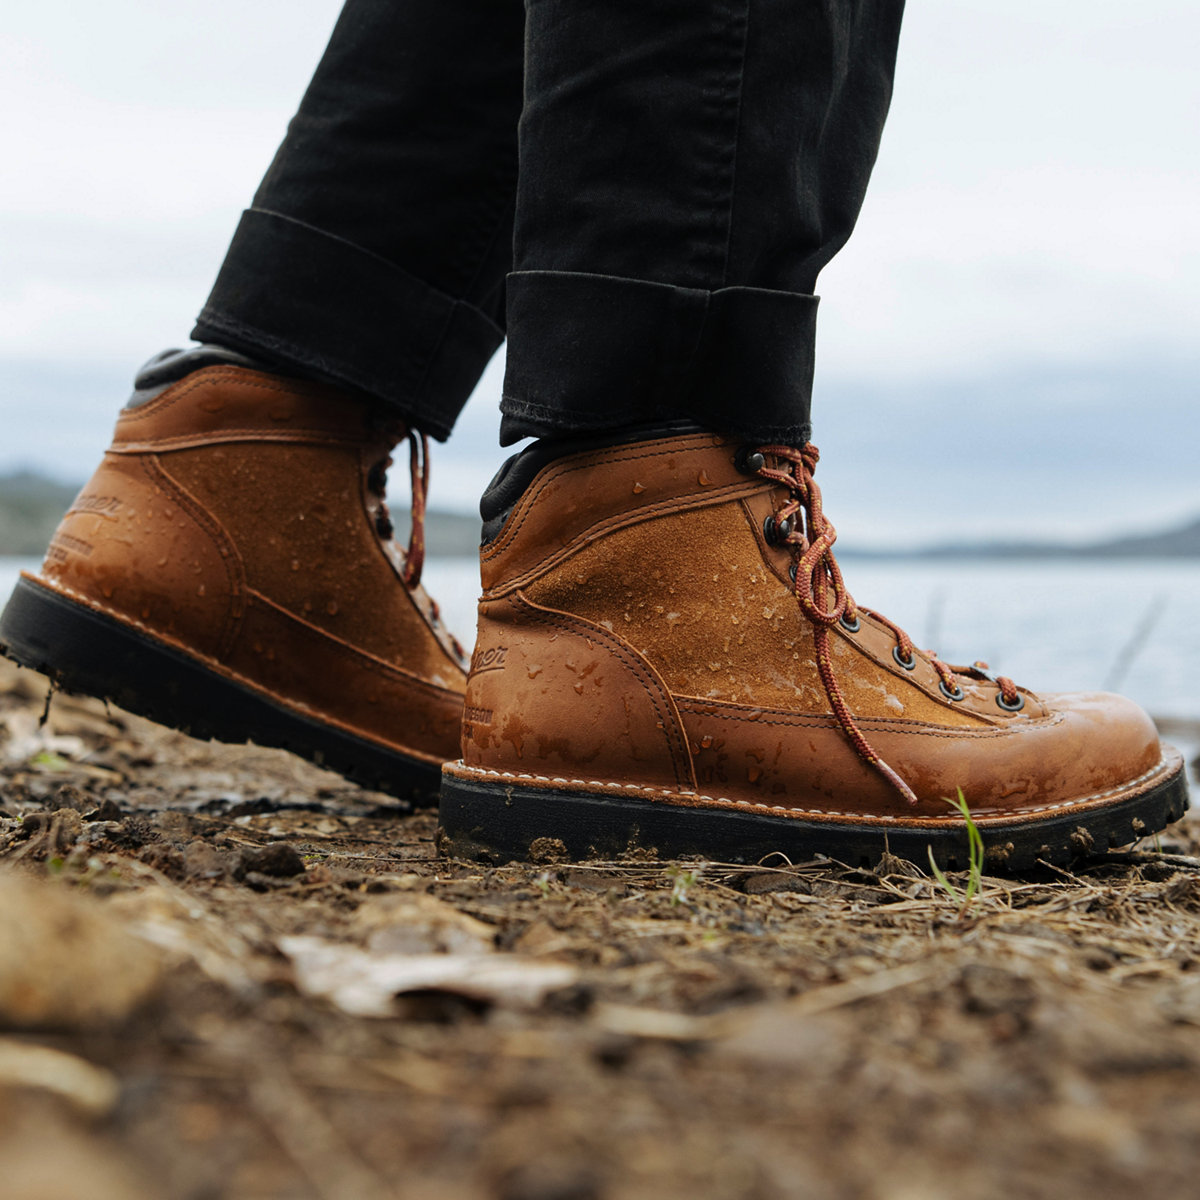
725,86
737,135
494,223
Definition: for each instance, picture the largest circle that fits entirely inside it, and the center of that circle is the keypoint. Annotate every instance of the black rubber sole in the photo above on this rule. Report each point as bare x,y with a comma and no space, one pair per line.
498,822
84,651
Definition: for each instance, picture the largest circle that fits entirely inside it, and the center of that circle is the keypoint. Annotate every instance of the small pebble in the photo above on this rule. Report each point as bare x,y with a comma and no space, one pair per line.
278,859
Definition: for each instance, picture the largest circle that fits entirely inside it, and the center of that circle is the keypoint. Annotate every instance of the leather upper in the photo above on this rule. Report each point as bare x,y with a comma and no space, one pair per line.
234,517
637,632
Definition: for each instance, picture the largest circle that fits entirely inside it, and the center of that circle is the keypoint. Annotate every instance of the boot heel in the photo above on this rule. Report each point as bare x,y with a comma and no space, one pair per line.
88,652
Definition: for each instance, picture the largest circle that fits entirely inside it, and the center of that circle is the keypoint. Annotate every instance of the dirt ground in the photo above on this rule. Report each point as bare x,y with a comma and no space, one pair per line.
224,973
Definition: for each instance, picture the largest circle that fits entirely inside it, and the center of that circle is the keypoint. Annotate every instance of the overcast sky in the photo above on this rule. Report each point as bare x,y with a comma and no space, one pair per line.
1007,346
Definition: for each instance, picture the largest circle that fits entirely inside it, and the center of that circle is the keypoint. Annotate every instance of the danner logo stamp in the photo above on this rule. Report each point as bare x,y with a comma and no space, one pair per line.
491,659
90,502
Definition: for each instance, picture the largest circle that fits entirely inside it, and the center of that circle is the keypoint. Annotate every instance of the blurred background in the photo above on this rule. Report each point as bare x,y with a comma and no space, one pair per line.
1007,347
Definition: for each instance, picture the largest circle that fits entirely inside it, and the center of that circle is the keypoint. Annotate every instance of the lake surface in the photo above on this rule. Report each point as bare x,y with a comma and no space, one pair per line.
1132,625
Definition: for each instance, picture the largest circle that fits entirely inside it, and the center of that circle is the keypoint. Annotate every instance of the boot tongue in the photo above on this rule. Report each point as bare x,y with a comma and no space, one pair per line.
518,472
158,373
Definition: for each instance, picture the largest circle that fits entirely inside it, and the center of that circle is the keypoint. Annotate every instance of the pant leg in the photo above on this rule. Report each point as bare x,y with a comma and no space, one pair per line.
375,251
687,167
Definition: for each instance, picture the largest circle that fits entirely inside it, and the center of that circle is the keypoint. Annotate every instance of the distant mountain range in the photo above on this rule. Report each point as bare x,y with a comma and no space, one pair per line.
31,505
1181,542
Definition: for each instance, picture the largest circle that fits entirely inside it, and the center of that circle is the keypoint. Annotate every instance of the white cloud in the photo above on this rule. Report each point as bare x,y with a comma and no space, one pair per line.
1030,236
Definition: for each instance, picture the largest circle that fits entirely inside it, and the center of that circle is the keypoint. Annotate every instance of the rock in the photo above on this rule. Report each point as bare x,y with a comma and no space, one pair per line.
68,796
278,859
544,850
60,830
201,860
65,963
761,883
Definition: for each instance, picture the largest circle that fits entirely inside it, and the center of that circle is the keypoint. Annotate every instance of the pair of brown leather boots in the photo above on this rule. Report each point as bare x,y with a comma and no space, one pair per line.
667,657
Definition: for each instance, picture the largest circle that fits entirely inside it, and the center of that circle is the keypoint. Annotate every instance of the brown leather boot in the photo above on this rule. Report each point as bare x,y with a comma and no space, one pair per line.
668,658
229,571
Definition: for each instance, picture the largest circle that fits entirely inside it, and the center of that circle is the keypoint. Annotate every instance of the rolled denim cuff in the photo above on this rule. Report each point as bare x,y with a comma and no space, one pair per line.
297,296
589,352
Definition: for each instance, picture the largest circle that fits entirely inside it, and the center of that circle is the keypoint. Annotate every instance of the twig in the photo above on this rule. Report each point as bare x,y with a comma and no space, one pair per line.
1137,640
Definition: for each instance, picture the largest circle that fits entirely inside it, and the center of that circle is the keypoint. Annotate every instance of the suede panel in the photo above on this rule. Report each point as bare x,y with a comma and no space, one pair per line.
314,552
692,593
138,547
583,496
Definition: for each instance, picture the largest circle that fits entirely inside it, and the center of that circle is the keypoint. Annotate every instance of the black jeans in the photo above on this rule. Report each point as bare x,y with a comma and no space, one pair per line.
639,194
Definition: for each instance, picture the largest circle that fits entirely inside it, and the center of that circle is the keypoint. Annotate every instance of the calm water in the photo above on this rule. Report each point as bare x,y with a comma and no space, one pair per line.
1053,626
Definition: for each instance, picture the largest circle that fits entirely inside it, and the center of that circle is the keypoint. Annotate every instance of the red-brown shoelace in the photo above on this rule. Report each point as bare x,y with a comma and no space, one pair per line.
821,593
418,465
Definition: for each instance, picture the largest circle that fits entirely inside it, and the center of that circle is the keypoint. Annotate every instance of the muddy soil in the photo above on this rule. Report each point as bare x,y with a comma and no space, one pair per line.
224,973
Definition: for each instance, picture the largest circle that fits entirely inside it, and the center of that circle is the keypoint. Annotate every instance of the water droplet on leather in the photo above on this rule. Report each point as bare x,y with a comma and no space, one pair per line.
332,608
638,488
703,479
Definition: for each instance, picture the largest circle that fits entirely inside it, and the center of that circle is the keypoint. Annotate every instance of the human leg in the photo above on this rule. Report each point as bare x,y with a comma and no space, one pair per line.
374,253
668,657
230,569
686,171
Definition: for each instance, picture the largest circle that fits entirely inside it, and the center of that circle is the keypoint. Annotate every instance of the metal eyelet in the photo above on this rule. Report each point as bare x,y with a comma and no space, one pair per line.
778,532
749,461
847,626
907,663
957,694
1020,702
792,571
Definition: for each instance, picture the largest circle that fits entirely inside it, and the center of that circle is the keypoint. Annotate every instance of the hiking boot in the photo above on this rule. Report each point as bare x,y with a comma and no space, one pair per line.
229,571
669,659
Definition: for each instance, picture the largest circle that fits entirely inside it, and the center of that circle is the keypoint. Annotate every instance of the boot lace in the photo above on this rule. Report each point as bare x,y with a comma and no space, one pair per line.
821,593
418,462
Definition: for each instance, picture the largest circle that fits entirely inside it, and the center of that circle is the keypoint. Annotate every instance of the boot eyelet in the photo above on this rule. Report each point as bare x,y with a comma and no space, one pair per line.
957,694
777,532
749,461
848,626
1016,707
792,572
907,663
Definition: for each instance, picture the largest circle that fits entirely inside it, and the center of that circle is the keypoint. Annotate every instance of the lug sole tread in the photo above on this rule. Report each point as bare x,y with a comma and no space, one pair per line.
498,822
88,653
